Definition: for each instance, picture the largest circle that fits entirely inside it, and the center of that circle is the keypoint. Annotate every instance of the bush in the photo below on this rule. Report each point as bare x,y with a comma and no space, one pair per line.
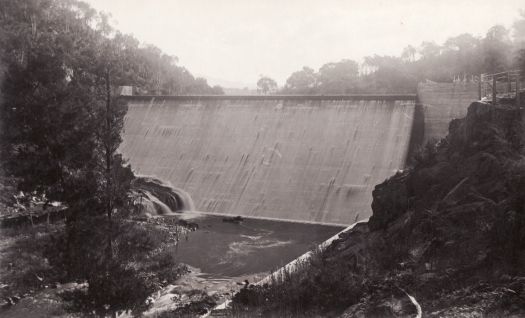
320,285
139,264
425,155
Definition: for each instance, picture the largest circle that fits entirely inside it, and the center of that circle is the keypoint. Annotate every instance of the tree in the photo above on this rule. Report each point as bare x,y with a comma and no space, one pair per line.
217,90
200,86
47,135
301,82
519,31
463,54
463,42
61,125
429,50
409,54
496,47
266,85
159,74
390,74
338,78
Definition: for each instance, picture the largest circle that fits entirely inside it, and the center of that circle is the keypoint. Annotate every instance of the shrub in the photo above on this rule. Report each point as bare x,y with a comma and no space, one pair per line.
139,264
425,155
320,285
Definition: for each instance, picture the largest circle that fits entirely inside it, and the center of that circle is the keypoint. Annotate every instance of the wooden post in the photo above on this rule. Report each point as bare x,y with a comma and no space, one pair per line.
518,99
479,88
509,83
493,90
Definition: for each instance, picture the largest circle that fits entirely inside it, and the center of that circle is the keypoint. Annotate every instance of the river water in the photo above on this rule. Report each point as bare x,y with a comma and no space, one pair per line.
254,246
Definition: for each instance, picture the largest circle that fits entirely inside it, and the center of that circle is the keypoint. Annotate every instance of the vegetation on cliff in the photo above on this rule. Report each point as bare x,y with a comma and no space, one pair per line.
450,232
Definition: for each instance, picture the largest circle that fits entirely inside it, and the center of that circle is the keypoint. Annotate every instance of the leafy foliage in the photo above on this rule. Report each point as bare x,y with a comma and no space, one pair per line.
426,154
139,265
301,82
461,57
62,65
266,85
320,285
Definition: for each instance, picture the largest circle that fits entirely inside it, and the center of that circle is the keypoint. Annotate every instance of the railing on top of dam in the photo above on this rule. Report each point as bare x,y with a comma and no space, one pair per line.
503,85
388,97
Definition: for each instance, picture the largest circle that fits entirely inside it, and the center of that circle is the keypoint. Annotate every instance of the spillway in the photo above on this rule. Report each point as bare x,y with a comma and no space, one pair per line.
303,159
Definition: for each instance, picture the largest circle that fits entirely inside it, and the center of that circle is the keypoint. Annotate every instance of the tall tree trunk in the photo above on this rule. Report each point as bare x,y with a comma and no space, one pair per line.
109,155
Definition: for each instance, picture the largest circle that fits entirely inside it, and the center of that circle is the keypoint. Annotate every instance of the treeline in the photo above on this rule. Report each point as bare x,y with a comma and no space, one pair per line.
460,58
61,65
161,75
156,72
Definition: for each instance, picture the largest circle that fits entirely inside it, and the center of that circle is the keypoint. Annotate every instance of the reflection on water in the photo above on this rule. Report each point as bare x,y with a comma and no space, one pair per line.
223,249
243,248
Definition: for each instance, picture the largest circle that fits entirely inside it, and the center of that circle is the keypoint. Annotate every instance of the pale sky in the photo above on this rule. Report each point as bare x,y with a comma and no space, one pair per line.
238,40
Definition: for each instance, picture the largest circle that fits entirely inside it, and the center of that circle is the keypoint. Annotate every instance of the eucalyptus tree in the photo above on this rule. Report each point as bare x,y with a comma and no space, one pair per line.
266,85
61,123
302,82
338,77
496,49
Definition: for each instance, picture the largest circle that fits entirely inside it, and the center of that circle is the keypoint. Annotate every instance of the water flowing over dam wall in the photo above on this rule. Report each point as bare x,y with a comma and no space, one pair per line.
303,158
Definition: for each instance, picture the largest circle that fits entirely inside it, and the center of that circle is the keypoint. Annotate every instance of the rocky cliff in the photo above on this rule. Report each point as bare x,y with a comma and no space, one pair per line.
451,230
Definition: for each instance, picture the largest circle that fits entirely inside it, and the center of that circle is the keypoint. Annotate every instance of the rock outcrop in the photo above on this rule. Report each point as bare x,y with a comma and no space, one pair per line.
154,197
451,230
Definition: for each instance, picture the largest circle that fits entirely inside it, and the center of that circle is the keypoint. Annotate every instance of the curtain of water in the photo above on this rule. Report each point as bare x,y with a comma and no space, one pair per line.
306,160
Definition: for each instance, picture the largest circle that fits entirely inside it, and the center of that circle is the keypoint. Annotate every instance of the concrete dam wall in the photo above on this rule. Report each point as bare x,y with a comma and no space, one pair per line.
314,158
442,102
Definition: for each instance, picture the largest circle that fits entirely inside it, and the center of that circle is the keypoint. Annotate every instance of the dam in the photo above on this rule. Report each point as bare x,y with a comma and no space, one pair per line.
298,158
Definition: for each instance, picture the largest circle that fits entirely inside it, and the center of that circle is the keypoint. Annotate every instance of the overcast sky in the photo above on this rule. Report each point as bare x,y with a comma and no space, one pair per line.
238,40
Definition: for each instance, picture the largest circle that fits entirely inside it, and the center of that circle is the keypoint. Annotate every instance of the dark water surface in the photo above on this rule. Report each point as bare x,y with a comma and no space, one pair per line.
222,249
